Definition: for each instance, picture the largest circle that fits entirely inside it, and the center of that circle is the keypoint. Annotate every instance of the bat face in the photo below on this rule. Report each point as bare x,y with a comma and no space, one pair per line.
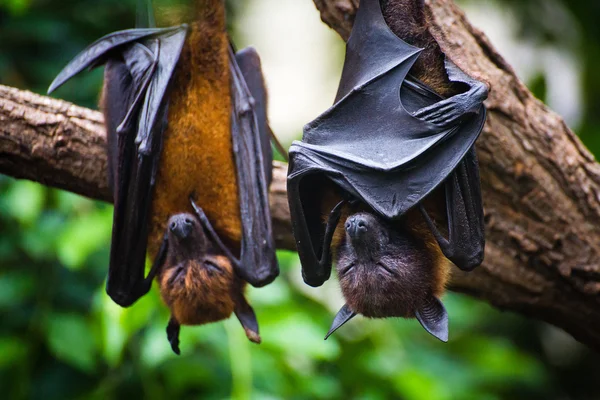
384,270
197,286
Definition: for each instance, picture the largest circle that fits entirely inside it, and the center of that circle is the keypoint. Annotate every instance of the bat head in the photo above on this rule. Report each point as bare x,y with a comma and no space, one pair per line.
198,285
384,270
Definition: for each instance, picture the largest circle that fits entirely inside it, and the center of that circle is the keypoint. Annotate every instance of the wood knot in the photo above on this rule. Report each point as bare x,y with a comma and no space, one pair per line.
61,141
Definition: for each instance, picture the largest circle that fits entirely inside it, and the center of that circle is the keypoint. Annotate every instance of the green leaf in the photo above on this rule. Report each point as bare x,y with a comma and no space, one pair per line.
16,7
71,339
12,350
114,336
415,384
24,200
15,288
84,236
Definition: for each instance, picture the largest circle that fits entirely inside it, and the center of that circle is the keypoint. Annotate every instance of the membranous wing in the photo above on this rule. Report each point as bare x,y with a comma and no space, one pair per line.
139,66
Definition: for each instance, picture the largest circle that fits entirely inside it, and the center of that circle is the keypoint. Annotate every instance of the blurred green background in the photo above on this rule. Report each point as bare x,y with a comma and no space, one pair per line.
62,338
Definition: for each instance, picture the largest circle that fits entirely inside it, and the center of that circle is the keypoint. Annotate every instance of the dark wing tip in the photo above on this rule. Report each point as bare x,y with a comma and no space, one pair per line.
123,299
263,276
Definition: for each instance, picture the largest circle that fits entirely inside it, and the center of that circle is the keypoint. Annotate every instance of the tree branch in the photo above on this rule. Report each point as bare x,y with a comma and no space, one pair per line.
541,186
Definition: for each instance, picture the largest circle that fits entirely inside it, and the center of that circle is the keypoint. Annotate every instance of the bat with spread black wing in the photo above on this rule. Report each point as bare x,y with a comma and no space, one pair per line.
386,181
189,165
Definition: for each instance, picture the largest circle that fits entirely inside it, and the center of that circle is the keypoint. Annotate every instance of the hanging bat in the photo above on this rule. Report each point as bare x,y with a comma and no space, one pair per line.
386,181
189,165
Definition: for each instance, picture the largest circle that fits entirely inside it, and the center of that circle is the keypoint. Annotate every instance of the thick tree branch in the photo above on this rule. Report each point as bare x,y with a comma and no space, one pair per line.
53,142
541,186
63,145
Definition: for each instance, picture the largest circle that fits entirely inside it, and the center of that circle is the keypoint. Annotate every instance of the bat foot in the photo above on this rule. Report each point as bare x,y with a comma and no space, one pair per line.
173,329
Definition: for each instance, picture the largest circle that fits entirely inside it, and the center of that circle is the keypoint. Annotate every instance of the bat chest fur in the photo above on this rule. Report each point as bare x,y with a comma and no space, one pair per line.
197,157
395,280
197,294
380,289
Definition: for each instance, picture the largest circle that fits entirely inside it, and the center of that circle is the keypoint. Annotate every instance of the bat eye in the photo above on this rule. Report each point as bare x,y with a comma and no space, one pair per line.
213,267
173,226
348,225
188,221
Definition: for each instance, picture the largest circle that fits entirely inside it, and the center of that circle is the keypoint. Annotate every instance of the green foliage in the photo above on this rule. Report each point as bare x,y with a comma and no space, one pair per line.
62,337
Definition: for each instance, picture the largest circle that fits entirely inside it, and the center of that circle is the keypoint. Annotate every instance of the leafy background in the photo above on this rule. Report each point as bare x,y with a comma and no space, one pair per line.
61,337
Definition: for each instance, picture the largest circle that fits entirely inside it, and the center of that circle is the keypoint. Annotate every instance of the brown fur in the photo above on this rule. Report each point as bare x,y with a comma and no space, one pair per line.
201,294
408,20
391,271
425,270
197,157
197,283
414,225
197,160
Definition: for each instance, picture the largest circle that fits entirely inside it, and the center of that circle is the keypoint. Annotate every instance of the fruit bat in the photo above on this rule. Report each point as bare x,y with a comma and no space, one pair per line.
386,181
189,163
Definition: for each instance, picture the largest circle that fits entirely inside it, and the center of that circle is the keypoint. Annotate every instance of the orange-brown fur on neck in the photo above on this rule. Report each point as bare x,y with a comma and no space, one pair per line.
203,295
197,157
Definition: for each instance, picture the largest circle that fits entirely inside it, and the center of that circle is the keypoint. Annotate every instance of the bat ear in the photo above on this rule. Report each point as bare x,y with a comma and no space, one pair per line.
434,318
245,314
173,335
344,315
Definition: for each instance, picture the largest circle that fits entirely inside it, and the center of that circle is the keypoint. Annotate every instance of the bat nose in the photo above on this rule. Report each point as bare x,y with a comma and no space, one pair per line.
181,226
356,226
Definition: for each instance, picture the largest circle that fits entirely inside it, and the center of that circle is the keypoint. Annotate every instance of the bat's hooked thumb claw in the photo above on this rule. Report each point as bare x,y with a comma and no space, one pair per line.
344,315
253,336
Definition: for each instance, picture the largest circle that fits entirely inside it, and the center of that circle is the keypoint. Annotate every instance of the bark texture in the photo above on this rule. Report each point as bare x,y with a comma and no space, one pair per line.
541,186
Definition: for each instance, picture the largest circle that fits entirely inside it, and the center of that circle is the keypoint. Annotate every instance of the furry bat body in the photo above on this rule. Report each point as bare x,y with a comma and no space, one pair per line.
392,167
189,164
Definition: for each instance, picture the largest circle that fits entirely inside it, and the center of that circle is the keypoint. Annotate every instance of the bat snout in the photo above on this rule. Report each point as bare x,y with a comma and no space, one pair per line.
181,225
357,226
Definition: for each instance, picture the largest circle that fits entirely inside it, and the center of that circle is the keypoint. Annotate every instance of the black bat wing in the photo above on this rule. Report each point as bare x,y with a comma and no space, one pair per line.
369,144
139,66
258,262
250,66
464,209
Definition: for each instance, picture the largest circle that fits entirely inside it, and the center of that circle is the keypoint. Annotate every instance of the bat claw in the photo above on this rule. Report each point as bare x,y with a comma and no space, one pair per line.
447,112
254,337
173,335
175,347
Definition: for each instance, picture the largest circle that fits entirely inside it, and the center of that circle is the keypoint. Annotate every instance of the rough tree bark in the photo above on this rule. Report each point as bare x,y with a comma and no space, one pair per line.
541,186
